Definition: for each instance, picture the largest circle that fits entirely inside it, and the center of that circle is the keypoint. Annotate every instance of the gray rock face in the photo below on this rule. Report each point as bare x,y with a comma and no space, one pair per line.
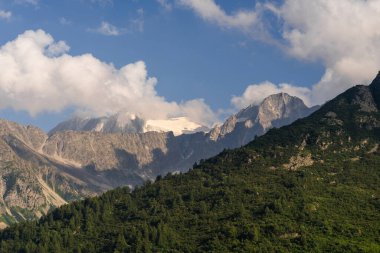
364,99
40,171
30,182
275,111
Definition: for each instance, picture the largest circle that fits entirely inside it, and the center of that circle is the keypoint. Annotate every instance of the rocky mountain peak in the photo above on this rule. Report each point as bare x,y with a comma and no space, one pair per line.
274,111
280,106
281,100
376,81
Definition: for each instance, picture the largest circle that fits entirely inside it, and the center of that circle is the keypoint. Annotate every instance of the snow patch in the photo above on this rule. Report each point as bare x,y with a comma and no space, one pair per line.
178,126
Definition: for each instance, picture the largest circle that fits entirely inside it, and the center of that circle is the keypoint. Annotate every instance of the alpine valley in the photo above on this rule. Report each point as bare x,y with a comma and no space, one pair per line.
312,186
84,157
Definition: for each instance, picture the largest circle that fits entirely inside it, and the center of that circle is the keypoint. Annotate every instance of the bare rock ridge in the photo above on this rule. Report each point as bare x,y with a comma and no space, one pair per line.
40,171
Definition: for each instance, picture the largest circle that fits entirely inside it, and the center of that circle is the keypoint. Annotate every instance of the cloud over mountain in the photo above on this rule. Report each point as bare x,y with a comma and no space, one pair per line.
38,75
255,93
342,35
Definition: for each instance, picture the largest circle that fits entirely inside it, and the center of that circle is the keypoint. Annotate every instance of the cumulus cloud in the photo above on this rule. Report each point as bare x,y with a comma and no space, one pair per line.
343,35
5,15
38,75
255,93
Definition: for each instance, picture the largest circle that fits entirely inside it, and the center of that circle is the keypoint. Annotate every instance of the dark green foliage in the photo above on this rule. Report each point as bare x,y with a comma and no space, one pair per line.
243,200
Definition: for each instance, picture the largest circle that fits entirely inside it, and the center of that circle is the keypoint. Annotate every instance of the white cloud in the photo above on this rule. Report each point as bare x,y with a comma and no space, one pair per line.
107,29
64,21
255,93
39,76
136,24
56,49
5,15
165,4
210,11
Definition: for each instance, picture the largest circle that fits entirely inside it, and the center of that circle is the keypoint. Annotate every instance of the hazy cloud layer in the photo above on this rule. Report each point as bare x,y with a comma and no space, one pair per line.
134,24
343,35
107,29
5,15
165,4
39,76
64,21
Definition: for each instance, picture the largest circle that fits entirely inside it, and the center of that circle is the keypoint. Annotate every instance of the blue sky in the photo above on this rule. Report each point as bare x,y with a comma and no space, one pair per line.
196,50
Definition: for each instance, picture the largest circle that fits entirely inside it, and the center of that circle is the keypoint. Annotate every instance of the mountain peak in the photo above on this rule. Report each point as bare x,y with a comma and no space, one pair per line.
375,84
278,107
274,111
375,89
281,97
376,81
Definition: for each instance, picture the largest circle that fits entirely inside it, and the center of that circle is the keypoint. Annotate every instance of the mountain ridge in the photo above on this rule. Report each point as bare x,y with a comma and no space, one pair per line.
128,123
77,164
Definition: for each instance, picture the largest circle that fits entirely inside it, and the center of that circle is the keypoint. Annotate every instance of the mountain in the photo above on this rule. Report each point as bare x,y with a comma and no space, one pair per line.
129,123
312,186
275,111
63,166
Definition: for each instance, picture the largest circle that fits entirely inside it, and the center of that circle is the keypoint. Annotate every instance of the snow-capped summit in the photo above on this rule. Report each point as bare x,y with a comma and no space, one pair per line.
129,123
178,126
